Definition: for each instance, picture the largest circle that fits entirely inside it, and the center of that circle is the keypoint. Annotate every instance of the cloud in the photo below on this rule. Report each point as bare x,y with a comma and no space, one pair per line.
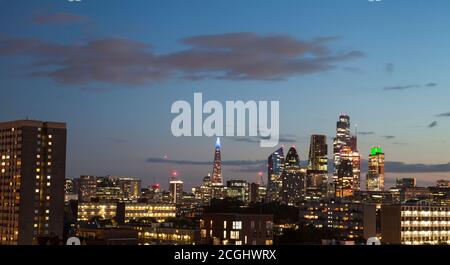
390,167
388,137
446,114
366,133
406,87
400,167
433,124
389,67
231,56
261,165
59,18
400,87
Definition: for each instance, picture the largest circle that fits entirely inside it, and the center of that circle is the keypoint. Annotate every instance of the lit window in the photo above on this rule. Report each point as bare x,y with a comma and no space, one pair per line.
224,224
237,225
234,234
48,177
37,190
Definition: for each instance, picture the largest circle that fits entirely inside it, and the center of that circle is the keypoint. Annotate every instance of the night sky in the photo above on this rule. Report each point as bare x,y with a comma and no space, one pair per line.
111,70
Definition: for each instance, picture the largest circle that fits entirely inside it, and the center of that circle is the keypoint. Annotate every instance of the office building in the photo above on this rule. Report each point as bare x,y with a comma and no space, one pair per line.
405,183
348,173
203,193
342,139
258,193
293,179
275,167
70,190
415,223
87,186
345,151
124,212
239,190
375,174
317,171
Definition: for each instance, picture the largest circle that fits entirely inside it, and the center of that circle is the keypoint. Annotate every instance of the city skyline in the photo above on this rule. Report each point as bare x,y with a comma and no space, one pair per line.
116,125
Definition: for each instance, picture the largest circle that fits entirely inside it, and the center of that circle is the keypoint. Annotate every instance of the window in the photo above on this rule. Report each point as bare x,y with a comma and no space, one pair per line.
225,234
224,224
203,233
234,234
237,225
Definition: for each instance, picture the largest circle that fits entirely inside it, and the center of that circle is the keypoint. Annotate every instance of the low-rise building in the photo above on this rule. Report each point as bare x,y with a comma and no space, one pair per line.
155,234
415,223
236,229
125,212
353,221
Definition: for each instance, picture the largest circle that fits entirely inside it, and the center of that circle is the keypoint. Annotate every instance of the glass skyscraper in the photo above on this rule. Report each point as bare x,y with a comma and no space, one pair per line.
275,167
317,171
375,175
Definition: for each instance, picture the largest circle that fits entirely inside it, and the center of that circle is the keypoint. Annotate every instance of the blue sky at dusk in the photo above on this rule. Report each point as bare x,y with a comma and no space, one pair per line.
111,69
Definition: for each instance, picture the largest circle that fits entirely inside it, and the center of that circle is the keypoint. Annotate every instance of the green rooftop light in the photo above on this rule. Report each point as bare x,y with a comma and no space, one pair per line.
376,150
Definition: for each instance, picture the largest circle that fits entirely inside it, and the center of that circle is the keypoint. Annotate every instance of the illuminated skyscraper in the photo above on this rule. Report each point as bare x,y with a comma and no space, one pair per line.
217,188
317,172
342,139
345,147
293,179
175,189
217,166
275,166
32,178
344,181
356,161
375,174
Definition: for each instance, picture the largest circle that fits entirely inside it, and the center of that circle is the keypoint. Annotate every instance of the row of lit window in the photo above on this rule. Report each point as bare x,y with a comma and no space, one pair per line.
425,213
